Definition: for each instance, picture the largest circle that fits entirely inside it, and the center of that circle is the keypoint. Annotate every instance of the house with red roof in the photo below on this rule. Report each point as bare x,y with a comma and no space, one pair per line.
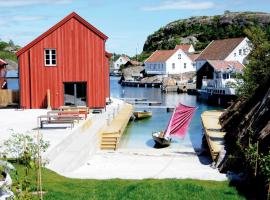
231,49
69,61
187,48
218,64
176,61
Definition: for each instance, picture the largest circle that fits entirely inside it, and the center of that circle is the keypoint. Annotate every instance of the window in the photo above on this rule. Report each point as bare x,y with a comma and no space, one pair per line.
234,54
179,56
185,65
120,60
173,66
50,57
240,51
245,51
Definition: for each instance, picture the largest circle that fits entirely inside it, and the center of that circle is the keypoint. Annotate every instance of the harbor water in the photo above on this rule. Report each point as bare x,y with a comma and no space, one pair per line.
138,134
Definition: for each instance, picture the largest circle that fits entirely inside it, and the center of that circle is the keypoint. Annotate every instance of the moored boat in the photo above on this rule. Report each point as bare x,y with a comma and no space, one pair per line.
177,126
142,114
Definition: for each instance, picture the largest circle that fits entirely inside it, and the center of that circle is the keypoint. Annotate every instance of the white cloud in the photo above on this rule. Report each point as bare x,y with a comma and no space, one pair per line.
19,18
18,3
180,5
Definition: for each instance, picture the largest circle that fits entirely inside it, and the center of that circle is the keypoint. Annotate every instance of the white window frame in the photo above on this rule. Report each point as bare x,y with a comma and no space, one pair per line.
179,56
50,57
240,52
185,65
173,65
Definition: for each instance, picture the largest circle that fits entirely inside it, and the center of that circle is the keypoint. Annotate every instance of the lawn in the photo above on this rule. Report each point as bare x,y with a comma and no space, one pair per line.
59,187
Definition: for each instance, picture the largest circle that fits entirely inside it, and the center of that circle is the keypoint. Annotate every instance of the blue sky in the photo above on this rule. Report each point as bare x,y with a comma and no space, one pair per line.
127,23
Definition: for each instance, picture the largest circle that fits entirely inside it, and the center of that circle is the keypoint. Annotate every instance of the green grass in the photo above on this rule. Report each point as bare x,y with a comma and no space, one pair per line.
59,187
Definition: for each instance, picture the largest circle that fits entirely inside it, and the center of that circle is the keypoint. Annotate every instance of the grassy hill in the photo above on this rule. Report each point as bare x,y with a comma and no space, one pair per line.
7,50
202,30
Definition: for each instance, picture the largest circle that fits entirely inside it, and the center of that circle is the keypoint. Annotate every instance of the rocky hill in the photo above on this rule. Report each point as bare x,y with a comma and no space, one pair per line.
202,30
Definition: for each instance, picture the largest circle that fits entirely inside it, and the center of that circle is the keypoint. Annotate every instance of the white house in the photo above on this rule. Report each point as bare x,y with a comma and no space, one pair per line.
122,60
218,76
232,49
164,62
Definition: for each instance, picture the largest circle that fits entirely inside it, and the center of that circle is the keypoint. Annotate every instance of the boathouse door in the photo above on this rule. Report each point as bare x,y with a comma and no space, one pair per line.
75,94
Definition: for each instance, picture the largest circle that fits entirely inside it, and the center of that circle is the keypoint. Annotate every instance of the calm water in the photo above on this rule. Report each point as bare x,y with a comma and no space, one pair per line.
138,132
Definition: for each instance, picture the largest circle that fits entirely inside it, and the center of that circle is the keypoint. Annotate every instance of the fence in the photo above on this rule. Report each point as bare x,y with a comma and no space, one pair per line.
8,97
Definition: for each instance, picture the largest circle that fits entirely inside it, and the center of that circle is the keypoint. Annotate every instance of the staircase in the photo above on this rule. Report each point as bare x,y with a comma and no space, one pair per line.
109,141
111,135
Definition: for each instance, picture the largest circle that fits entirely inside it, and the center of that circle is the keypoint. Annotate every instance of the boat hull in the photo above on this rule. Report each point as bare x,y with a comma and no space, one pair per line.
161,142
142,114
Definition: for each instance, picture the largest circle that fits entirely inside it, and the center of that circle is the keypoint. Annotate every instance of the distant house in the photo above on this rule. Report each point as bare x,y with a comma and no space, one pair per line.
232,49
175,61
122,60
70,61
216,76
3,71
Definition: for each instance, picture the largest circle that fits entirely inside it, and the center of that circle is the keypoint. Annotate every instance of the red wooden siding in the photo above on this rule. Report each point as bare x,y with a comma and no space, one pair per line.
80,54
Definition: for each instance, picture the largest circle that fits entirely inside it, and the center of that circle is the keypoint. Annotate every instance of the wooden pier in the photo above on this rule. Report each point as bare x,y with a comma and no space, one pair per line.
178,88
212,131
149,103
111,135
140,84
168,108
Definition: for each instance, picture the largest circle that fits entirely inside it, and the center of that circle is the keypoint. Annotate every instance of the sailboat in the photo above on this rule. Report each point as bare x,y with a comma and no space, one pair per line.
177,126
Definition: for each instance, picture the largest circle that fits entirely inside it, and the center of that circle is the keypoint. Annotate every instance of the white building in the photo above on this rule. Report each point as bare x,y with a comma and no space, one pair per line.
218,77
232,49
164,62
122,60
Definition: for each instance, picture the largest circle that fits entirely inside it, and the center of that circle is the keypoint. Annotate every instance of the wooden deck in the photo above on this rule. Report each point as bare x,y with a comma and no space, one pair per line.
111,135
212,131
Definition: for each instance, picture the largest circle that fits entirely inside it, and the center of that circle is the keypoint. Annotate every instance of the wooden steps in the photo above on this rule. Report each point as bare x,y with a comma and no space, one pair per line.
111,135
213,133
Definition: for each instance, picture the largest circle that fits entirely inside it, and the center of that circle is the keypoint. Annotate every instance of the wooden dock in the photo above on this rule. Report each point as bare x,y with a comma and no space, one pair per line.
144,107
178,88
212,131
149,103
140,84
111,135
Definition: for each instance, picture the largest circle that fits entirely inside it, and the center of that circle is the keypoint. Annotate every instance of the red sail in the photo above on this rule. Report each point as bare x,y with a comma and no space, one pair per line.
180,120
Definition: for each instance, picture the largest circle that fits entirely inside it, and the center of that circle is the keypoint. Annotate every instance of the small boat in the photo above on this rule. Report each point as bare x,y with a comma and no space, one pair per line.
142,114
177,126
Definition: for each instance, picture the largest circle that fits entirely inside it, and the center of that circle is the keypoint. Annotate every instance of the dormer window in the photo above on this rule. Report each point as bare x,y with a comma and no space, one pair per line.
50,57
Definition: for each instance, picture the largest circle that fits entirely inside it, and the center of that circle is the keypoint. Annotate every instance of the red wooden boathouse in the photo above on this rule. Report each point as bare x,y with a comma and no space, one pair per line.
69,60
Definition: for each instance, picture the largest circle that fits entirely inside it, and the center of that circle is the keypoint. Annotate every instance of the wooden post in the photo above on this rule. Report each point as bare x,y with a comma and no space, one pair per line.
48,99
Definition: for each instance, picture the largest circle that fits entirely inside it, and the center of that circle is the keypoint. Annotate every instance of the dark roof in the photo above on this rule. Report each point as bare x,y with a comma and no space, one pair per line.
2,62
221,65
59,24
220,49
161,55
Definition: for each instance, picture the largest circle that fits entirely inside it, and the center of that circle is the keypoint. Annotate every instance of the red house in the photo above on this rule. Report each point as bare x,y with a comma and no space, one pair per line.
69,60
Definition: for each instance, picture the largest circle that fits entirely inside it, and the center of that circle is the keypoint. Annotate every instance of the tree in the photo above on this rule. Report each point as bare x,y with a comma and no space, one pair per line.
257,72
